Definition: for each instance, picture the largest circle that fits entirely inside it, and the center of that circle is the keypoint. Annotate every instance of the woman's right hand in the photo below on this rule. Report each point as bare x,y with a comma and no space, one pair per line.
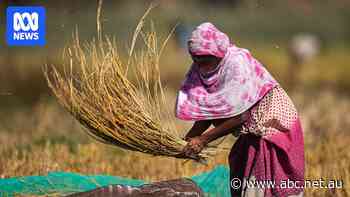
194,146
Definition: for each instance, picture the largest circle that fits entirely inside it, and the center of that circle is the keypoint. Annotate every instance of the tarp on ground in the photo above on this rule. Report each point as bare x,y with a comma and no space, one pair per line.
213,183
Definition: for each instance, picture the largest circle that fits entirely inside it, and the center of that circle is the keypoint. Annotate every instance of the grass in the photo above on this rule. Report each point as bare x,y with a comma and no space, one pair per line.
65,147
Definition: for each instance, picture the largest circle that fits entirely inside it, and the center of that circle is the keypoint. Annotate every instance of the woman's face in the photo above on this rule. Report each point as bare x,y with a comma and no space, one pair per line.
206,63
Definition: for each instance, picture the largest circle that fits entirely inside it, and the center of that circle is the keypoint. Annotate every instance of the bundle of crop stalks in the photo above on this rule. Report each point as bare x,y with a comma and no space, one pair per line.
95,86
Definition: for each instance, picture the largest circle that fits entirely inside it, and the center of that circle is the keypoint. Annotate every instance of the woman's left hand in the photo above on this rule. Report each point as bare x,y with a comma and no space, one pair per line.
194,146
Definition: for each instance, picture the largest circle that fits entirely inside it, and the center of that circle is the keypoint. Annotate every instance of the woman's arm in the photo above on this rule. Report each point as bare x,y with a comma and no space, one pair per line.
196,144
198,128
222,129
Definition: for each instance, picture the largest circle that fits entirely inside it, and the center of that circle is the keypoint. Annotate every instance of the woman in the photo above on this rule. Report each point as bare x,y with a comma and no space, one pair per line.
228,88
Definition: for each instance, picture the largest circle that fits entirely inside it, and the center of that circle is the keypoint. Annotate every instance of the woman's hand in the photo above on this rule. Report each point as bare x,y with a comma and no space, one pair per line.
195,145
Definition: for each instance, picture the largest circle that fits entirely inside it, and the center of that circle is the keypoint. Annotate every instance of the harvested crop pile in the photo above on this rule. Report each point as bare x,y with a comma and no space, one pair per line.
95,86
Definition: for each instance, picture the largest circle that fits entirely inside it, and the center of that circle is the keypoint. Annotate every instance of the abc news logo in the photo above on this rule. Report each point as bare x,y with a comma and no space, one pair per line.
29,29
25,26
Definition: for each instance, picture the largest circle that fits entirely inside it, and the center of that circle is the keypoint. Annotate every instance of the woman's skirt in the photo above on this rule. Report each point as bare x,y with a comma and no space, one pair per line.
271,165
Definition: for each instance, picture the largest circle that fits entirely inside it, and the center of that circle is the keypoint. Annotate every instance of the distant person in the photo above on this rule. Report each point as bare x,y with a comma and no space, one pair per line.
227,87
302,49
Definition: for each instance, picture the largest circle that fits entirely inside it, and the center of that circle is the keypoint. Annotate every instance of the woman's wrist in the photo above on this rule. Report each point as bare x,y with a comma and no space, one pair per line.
205,138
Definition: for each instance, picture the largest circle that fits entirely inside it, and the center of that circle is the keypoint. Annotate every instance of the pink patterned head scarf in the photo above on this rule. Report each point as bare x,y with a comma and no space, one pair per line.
206,39
237,83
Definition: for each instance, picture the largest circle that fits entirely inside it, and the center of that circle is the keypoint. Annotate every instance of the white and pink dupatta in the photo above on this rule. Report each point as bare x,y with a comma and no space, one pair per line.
233,87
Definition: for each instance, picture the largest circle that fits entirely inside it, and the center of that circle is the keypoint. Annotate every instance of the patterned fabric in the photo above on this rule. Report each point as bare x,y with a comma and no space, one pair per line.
208,40
239,81
269,148
274,113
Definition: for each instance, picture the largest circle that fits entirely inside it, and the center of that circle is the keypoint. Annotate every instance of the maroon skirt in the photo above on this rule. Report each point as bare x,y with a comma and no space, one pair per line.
268,166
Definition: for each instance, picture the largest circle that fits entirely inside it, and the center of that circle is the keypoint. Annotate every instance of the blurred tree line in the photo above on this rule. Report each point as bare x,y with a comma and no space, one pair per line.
261,22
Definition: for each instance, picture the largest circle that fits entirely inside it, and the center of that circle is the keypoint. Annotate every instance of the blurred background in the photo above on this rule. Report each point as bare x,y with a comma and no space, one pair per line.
305,44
